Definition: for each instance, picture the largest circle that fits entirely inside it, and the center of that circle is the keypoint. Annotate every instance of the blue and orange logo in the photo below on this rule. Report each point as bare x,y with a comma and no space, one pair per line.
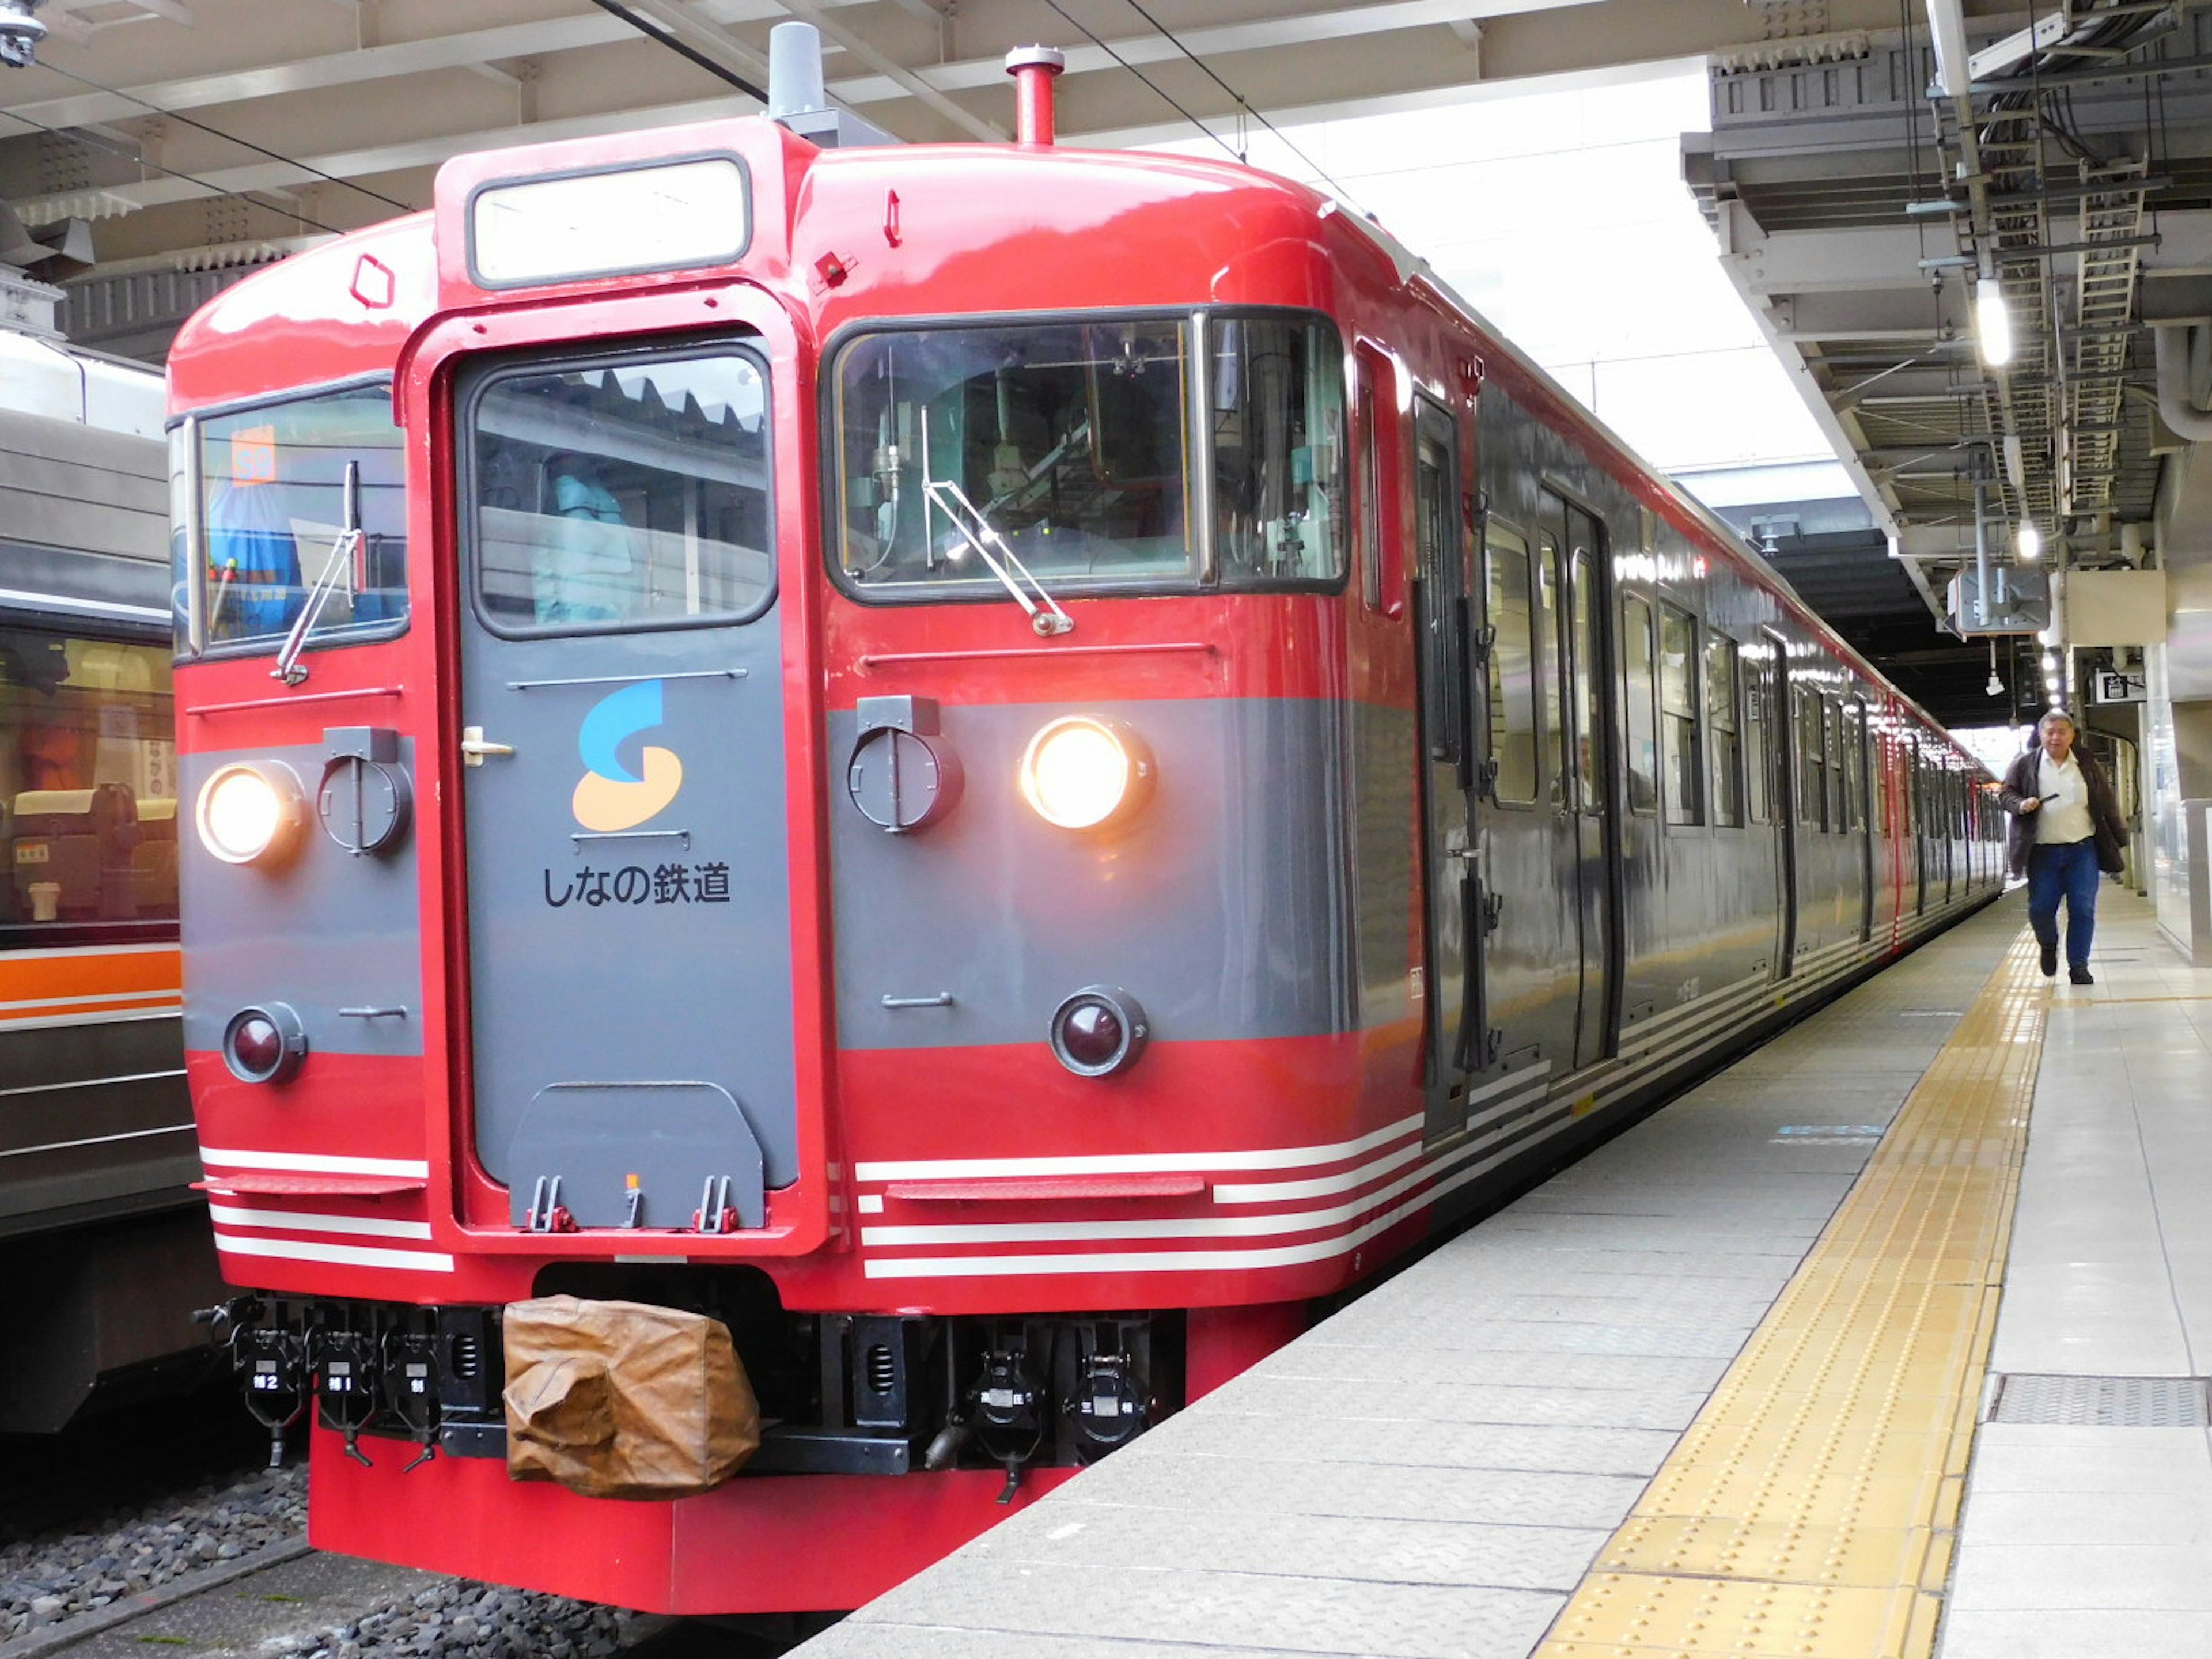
610,798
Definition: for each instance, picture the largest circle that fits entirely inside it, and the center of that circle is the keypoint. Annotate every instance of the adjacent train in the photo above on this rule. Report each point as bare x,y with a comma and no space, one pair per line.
104,1244
1002,768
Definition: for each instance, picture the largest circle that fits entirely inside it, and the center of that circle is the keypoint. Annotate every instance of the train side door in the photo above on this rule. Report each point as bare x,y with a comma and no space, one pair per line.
1593,888
1447,851
1771,678
620,709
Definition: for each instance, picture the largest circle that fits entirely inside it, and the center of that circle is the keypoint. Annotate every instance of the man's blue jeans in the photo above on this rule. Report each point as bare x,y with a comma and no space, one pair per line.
2066,870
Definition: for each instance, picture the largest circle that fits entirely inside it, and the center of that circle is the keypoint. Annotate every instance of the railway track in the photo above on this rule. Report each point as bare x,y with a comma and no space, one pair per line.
149,1533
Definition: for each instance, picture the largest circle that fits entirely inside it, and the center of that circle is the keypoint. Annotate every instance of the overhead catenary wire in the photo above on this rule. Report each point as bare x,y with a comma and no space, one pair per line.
1077,23
1243,103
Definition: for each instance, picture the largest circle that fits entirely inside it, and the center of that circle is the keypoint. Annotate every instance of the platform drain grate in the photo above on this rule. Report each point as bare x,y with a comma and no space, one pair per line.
2101,1402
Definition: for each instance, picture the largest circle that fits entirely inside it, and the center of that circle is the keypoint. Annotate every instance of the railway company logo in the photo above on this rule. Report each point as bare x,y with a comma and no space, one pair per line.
610,797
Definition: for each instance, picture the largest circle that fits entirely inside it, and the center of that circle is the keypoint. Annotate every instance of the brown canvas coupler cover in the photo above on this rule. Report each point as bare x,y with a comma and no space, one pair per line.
623,1399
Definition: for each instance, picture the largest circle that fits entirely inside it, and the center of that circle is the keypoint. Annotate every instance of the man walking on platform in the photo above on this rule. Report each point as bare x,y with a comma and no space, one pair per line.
2066,827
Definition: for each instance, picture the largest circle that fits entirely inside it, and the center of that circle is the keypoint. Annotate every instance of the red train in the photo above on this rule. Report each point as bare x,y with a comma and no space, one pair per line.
1000,768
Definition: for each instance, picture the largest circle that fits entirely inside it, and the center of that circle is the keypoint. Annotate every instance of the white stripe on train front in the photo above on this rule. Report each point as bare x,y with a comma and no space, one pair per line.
343,1256
1140,1261
308,1221
314,1163
1465,1163
1267,1158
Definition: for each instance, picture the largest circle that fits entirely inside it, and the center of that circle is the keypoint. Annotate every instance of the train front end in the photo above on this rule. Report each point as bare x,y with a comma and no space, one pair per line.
711,801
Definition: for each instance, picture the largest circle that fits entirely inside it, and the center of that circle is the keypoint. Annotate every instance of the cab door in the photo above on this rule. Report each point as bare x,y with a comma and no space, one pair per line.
628,927
1447,853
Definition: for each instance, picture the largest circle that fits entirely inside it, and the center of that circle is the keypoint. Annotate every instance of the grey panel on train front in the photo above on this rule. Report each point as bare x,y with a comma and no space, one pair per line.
610,964
1222,906
327,931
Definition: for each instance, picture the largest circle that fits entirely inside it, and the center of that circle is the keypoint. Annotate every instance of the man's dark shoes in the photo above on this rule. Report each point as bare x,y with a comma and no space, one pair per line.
2079,973
2050,960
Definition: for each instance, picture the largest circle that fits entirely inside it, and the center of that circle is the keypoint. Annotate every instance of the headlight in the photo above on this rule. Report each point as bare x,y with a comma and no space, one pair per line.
247,812
1080,772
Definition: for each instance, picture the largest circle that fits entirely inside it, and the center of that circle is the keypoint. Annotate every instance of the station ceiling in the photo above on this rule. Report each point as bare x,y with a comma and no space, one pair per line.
157,148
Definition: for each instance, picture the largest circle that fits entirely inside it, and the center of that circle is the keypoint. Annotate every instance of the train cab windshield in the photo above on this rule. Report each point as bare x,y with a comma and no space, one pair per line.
1073,441
622,494
271,483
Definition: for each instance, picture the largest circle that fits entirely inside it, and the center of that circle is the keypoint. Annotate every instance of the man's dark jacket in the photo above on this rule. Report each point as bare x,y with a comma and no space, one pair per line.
2108,829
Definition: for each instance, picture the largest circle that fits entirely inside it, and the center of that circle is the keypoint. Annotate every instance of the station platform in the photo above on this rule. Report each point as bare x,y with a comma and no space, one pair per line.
1889,1340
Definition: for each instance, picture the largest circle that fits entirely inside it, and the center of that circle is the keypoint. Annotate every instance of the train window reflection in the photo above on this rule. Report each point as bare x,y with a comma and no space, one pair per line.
87,783
273,482
1552,674
1758,755
1512,668
624,496
1069,437
1276,432
1838,816
1582,597
1812,762
1854,741
1723,733
1636,671
1677,705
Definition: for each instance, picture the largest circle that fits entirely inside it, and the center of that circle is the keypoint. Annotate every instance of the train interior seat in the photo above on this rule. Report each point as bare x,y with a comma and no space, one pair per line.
72,853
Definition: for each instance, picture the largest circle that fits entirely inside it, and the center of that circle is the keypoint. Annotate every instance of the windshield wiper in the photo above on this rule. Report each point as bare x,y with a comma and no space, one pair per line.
973,528
288,667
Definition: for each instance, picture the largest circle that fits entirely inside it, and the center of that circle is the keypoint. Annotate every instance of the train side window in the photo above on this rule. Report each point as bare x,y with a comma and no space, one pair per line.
623,495
1512,666
1553,744
1637,676
1678,712
1855,762
1812,762
1831,727
1878,755
1382,577
1589,682
1722,733
1759,712
88,786
272,478
1443,579
1276,430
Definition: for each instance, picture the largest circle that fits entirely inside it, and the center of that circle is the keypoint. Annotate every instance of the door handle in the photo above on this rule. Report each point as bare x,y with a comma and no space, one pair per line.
474,748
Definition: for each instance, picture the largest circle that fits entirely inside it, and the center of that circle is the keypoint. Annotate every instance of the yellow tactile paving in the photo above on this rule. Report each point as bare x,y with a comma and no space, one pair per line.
1809,1511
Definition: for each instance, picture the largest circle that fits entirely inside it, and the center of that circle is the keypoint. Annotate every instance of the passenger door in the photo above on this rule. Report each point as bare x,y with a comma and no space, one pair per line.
620,706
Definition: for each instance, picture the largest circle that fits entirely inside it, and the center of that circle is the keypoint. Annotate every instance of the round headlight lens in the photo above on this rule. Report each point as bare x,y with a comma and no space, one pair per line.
246,812
1079,772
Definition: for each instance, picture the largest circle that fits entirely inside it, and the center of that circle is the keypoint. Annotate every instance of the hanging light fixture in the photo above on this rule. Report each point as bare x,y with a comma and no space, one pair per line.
1992,321
1995,687
2027,540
